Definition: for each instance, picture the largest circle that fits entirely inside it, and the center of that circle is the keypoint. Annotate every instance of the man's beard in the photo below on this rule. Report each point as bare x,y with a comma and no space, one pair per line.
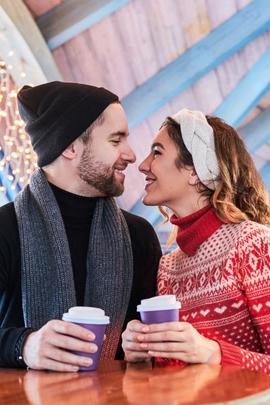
99,175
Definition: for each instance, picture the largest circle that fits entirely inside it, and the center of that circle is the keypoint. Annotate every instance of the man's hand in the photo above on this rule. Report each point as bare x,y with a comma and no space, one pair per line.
131,339
49,347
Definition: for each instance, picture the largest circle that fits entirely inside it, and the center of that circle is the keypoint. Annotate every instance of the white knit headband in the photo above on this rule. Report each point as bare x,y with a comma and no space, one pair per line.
198,138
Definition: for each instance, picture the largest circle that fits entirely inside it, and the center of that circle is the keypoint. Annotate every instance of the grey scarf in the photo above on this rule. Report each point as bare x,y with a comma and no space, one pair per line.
46,271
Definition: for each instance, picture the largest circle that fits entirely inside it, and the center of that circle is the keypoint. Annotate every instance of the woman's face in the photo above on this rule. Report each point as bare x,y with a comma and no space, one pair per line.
165,184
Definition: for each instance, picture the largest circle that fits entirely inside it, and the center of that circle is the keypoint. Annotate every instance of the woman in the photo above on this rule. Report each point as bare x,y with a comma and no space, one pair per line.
200,169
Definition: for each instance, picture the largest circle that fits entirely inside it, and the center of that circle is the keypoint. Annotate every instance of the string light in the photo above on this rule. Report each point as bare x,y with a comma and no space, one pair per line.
17,158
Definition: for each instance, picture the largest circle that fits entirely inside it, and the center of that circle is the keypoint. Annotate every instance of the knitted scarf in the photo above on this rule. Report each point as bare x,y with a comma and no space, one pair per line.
48,288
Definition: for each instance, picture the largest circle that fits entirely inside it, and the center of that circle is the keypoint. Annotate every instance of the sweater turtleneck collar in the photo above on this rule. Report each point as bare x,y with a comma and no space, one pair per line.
195,228
76,210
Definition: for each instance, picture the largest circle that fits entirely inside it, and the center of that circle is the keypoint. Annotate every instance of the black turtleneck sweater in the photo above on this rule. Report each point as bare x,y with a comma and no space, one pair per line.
77,213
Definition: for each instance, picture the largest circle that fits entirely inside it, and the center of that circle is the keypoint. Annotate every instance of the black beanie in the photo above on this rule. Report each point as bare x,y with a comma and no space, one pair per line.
57,113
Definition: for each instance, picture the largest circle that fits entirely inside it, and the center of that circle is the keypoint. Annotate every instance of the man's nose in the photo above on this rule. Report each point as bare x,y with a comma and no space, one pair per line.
129,154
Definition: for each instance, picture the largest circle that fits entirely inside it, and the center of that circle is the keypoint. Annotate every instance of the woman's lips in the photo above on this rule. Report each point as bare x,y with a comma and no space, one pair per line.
149,182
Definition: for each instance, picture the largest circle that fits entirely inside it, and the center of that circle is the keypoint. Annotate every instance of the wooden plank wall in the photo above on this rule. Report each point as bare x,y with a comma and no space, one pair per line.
39,7
131,45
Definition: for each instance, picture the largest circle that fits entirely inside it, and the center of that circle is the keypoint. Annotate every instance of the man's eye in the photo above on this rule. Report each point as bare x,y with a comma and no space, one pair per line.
115,142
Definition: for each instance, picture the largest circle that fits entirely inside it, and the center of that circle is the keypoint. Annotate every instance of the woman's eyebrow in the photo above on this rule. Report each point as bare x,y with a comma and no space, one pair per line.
157,144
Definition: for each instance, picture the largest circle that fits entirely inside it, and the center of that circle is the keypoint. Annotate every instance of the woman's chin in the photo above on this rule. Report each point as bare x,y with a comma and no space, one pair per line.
147,200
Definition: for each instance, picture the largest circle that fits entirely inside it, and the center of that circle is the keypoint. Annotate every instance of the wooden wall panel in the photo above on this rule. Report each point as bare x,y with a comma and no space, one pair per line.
263,104
194,20
242,3
131,45
39,7
133,27
218,15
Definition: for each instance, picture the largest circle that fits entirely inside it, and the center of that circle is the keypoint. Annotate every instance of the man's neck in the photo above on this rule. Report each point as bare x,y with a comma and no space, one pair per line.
71,184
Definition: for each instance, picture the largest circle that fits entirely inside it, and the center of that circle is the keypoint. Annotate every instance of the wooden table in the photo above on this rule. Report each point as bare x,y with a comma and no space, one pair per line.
116,384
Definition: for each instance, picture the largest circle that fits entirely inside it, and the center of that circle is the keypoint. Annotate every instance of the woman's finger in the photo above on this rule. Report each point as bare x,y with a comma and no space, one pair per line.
166,336
167,355
136,356
172,347
132,346
168,326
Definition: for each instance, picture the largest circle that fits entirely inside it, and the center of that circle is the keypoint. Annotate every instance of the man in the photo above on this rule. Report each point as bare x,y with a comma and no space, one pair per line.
64,241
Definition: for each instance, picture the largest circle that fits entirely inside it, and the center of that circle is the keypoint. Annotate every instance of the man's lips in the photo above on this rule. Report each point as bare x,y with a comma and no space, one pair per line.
120,168
119,171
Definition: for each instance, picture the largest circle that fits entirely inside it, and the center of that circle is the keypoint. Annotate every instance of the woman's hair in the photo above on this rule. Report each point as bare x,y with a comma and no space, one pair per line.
240,194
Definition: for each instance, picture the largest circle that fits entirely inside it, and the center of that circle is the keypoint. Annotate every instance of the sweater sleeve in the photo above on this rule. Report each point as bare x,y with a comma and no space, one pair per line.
12,338
253,274
11,346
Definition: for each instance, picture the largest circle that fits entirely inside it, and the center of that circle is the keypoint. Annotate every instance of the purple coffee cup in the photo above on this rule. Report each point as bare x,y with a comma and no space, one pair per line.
159,309
95,321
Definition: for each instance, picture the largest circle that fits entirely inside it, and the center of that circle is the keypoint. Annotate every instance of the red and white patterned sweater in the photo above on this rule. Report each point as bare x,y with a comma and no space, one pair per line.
224,289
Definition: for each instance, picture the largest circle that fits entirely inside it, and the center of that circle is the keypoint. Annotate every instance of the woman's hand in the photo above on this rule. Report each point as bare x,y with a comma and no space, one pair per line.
131,339
178,340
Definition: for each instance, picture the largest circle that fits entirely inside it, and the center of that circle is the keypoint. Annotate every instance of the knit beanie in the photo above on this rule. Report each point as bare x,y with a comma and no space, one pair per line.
57,113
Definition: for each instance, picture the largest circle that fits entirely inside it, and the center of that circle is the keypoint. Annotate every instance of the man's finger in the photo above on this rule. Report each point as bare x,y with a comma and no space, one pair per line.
70,343
63,356
71,329
49,364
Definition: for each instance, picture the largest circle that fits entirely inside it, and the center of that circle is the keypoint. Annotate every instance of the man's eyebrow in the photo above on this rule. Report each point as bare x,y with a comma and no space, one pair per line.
118,133
157,144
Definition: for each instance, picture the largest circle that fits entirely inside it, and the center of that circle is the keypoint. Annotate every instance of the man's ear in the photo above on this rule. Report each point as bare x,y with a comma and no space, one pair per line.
70,152
193,177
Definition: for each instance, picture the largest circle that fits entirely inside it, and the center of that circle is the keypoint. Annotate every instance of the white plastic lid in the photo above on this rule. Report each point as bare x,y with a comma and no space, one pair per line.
159,303
90,315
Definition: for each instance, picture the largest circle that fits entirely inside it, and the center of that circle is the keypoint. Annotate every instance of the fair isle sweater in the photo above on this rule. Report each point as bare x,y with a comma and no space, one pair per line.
223,283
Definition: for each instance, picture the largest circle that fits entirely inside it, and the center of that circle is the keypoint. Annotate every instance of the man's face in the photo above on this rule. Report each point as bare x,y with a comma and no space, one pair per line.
107,154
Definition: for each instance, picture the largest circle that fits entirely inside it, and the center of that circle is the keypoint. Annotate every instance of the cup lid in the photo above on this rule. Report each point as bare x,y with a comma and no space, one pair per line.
159,303
89,315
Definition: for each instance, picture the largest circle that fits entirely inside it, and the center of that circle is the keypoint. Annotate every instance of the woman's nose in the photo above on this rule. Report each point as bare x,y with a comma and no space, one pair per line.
144,166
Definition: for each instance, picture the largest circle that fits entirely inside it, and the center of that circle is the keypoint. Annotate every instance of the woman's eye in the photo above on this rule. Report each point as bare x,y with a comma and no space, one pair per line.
156,152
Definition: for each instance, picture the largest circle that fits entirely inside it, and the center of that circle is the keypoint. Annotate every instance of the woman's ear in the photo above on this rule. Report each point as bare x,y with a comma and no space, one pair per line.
193,177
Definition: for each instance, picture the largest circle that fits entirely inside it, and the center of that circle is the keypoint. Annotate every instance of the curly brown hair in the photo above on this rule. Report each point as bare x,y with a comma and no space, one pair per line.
240,194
